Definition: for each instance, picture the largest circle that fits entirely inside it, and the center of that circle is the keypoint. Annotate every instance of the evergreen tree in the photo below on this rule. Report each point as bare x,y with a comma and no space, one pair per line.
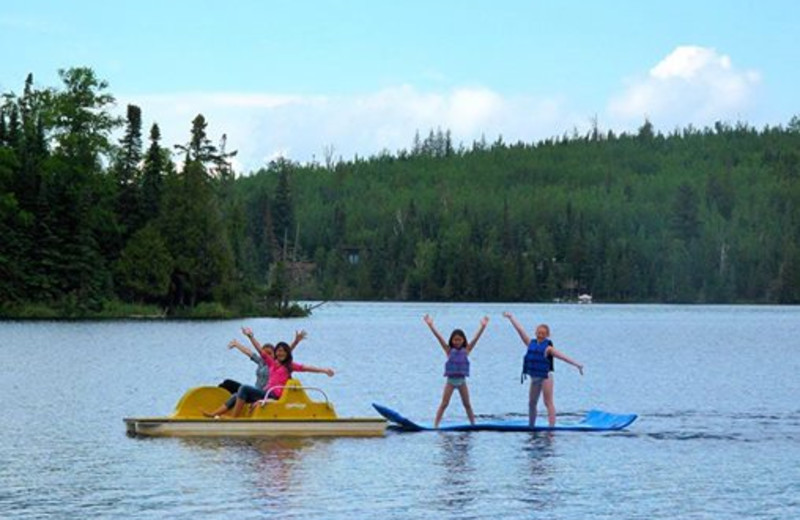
199,148
76,196
282,210
192,226
685,221
144,268
128,176
156,164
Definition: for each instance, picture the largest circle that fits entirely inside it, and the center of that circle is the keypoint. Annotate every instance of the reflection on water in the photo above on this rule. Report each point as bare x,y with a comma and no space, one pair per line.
269,463
458,469
538,477
274,461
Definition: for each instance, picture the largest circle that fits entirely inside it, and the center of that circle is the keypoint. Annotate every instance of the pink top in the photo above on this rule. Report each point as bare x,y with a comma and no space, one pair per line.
278,375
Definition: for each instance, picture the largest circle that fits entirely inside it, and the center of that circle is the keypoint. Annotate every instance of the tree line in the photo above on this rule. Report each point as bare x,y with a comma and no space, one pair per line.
91,226
695,216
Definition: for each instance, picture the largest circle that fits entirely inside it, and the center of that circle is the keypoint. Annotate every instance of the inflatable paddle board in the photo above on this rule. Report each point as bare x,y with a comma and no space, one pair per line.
593,421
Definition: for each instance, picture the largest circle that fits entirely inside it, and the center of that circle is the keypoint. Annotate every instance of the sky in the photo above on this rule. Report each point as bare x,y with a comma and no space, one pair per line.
310,80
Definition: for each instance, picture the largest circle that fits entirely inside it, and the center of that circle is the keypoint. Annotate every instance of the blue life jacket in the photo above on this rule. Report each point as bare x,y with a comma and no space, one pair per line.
457,363
535,364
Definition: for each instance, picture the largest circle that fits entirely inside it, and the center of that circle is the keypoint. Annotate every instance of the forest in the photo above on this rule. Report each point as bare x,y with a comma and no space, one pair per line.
98,226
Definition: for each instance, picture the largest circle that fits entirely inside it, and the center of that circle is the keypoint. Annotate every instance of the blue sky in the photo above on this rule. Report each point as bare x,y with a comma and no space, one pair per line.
296,78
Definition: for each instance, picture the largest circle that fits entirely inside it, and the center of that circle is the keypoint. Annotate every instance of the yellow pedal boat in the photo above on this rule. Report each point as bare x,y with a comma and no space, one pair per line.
294,414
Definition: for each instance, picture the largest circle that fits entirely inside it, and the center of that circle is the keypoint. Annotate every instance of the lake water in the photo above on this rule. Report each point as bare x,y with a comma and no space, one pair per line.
717,390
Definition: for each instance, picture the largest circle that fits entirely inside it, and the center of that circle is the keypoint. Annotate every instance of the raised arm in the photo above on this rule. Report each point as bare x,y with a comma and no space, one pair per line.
308,368
299,336
247,331
521,331
477,336
429,321
563,357
241,348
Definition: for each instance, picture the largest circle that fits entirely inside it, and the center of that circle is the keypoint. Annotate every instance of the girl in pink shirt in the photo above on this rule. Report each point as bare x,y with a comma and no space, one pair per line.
280,371
281,368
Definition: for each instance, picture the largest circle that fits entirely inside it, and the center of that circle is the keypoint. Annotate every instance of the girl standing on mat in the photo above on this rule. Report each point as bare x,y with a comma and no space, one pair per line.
456,369
538,365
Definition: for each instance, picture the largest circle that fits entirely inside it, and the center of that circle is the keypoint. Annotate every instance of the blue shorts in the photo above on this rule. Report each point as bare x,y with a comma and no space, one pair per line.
250,394
456,381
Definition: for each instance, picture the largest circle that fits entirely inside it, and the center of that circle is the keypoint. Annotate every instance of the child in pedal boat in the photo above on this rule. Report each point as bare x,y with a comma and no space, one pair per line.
262,372
278,373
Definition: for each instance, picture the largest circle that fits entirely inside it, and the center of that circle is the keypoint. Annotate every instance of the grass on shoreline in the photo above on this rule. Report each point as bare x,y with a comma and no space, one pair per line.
116,310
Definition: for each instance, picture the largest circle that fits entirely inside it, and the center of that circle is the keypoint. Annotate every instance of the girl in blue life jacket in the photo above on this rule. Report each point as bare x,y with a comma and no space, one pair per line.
538,365
456,369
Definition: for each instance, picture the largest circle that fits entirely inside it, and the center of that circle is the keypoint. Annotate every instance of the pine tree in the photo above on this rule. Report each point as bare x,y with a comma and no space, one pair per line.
128,176
282,210
685,221
156,163
192,226
199,148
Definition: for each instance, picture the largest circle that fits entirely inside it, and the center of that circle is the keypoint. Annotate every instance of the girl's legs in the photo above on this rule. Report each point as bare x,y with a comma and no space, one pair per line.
237,408
222,409
246,394
547,394
533,399
463,390
448,392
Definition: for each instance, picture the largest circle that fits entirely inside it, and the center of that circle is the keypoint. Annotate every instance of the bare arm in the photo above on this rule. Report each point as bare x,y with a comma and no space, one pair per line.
481,328
308,368
563,357
247,331
241,348
427,319
299,336
522,334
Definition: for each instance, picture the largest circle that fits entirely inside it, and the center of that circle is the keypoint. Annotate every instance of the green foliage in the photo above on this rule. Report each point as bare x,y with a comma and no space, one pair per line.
709,215
156,165
195,235
128,177
144,268
642,217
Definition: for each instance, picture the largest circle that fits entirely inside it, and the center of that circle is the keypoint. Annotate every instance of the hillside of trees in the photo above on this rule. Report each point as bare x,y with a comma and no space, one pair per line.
93,226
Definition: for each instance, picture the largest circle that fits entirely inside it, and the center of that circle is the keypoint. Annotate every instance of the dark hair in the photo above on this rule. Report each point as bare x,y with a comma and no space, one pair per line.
457,332
288,362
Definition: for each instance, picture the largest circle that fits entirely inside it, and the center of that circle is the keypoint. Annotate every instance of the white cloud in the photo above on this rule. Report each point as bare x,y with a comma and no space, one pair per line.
692,84
263,126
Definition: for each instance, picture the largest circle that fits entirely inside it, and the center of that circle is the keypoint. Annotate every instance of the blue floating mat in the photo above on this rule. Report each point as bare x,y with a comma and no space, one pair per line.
593,421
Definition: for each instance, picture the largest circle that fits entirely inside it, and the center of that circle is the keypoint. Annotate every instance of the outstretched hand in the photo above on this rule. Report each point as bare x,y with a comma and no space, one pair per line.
484,321
233,344
507,314
427,319
300,335
247,331
580,369
329,372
